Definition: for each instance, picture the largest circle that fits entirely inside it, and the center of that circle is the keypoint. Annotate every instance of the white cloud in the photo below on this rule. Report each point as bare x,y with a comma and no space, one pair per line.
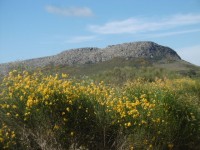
164,34
71,11
80,39
135,25
191,54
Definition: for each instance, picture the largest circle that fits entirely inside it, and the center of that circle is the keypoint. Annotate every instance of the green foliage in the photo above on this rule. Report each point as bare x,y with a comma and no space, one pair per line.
176,113
55,112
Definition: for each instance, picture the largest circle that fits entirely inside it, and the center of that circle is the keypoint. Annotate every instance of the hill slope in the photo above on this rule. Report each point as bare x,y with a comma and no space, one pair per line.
91,60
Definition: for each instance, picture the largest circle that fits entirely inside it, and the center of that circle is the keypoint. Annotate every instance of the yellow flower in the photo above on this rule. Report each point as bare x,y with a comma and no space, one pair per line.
72,133
13,134
70,102
158,120
64,75
7,134
170,146
143,122
128,124
27,113
56,127
150,146
14,106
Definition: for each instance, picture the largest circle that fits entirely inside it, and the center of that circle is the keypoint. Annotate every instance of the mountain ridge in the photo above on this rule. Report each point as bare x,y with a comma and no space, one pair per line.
87,55
133,49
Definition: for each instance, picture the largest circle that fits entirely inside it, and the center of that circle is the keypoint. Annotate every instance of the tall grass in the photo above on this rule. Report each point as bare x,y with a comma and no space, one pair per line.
55,112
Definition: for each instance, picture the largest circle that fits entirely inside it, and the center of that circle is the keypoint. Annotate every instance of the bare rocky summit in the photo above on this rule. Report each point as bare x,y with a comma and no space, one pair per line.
147,50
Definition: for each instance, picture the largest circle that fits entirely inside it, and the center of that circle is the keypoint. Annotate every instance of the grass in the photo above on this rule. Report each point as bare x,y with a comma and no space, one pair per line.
41,111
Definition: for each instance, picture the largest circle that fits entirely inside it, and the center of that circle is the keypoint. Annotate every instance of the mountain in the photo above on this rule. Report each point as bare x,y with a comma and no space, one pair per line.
90,60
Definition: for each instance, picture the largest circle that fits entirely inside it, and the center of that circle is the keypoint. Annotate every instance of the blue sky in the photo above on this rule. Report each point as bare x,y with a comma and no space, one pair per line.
37,28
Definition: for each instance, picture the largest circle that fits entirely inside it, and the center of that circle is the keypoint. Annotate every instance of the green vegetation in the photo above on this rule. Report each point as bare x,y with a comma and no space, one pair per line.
42,111
118,70
118,104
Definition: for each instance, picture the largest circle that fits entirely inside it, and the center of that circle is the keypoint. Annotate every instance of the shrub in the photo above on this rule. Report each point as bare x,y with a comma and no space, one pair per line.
55,112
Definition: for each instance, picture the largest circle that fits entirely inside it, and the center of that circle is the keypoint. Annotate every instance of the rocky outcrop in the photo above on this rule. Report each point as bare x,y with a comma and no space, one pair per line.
149,50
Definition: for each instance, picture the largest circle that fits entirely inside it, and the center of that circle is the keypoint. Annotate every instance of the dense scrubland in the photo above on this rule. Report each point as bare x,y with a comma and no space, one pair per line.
43,111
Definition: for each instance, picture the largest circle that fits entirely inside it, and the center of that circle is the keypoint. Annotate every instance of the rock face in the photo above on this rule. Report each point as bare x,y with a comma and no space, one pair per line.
149,50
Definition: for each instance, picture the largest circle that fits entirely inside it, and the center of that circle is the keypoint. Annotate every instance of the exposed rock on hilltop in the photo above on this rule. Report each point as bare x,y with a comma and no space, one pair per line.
149,50
126,50
141,50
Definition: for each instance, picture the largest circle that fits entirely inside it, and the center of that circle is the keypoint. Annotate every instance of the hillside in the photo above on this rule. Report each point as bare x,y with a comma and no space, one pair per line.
123,97
91,60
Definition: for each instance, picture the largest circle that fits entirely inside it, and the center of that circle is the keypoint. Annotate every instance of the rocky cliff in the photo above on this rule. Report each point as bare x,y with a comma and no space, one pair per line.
146,50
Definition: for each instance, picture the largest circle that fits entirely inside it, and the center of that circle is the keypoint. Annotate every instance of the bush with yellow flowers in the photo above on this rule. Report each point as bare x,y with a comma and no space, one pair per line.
7,137
170,116
55,112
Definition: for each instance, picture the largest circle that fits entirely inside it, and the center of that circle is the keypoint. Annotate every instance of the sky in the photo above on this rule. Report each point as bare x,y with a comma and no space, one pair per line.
38,28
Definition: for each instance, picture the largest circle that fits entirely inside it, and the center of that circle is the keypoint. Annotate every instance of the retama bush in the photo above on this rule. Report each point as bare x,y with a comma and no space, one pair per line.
40,111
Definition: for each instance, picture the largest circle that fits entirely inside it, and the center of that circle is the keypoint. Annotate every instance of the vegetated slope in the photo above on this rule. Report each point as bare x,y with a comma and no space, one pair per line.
95,55
59,112
89,61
